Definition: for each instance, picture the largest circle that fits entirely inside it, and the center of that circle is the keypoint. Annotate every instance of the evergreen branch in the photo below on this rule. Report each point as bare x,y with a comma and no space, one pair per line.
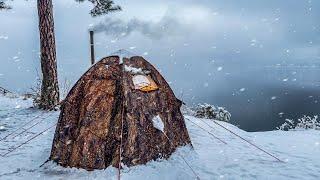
102,7
3,5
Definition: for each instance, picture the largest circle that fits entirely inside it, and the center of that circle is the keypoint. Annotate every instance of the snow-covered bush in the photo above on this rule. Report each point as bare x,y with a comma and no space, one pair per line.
35,93
287,125
7,93
306,122
65,87
186,110
209,111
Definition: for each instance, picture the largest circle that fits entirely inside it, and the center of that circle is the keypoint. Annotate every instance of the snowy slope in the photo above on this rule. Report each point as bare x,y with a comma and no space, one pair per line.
210,158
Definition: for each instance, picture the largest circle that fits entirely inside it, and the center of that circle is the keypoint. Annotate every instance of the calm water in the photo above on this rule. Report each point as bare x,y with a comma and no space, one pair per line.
269,95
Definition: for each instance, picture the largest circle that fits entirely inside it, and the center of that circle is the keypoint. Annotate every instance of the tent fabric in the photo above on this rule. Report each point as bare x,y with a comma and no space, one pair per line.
104,107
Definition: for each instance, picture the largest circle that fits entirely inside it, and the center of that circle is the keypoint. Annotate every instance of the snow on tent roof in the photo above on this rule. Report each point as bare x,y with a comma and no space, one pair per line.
123,53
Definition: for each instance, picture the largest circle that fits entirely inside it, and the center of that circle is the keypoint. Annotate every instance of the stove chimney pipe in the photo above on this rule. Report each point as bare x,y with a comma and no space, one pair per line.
92,46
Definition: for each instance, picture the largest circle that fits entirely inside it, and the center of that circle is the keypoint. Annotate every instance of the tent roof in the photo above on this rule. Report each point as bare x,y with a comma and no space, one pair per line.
123,53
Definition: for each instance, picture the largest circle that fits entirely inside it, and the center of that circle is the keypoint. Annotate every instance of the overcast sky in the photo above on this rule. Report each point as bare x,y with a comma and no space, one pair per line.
204,48
203,32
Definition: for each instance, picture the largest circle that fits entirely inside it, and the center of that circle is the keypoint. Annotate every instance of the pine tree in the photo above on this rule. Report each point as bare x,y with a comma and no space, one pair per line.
3,5
49,88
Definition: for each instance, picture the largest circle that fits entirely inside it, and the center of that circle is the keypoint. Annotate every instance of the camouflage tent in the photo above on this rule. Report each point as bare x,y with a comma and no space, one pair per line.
119,105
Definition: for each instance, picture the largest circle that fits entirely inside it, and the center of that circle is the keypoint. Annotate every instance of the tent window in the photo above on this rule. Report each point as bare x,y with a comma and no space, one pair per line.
144,83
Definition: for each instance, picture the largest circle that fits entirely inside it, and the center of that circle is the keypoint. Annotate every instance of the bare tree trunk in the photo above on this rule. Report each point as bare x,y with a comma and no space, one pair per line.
49,87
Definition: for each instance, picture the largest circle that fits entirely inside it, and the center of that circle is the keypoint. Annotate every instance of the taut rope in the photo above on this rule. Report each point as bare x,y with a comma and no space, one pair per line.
207,131
245,140
120,148
25,130
11,150
121,135
185,161
33,119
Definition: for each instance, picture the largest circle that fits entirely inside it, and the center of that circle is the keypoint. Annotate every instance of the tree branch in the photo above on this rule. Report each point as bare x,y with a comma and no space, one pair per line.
4,6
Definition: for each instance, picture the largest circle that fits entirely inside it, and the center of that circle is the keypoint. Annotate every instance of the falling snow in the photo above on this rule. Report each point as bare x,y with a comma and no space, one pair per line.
209,158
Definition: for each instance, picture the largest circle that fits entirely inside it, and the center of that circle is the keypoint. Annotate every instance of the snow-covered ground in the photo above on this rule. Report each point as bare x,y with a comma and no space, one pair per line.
210,158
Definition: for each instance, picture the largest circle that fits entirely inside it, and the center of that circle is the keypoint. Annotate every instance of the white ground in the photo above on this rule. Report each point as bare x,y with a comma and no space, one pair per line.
210,158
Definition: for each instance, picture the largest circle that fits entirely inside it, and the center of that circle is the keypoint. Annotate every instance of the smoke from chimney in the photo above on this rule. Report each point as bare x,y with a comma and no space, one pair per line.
167,26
